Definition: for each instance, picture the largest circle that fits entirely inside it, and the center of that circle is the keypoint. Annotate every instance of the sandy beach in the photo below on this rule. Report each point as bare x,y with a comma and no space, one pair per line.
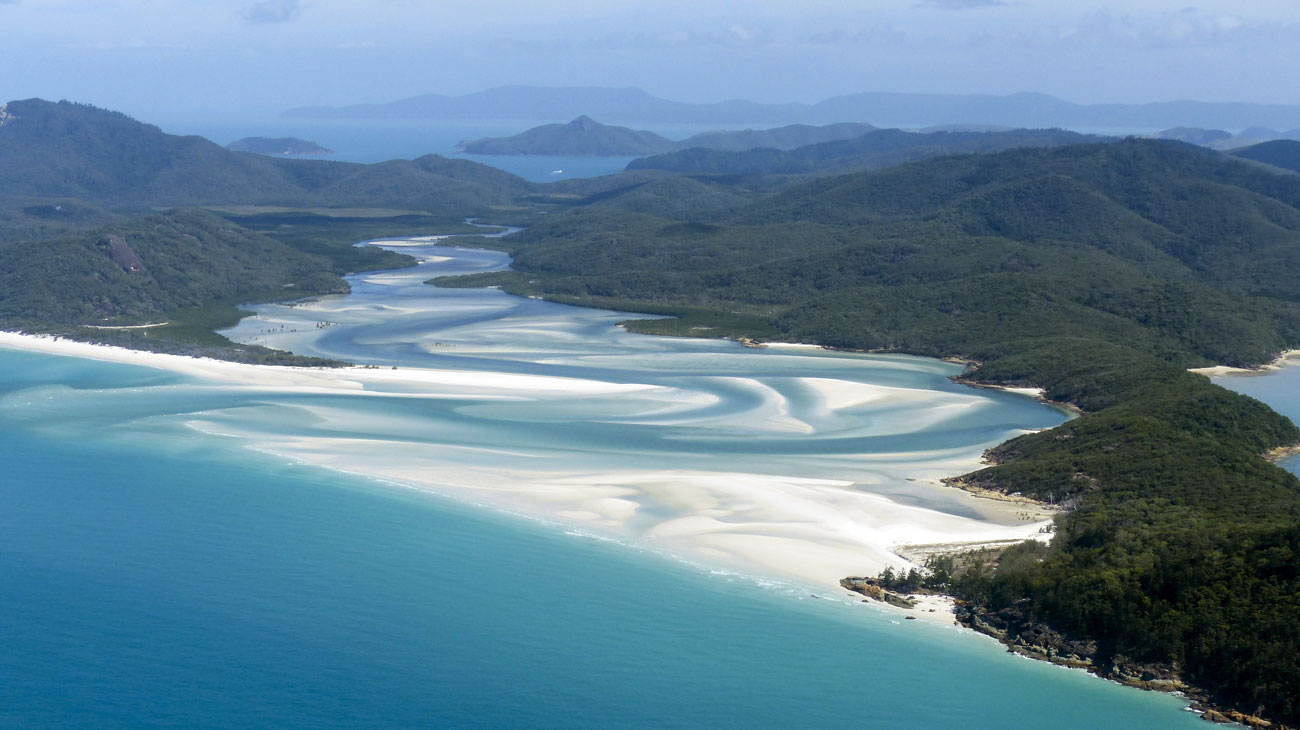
1288,357
810,531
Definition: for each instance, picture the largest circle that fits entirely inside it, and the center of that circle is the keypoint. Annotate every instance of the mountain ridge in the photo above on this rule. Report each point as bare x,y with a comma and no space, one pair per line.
585,136
631,105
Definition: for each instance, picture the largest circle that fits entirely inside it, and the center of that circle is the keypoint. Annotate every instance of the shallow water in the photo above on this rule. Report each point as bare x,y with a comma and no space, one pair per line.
675,440
157,577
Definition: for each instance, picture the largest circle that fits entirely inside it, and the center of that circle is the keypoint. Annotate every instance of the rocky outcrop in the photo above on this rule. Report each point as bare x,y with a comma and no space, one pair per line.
871,588
1013,627
1232,716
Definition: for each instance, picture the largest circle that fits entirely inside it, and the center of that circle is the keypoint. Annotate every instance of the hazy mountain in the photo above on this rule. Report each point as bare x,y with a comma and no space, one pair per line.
585,137
780,138
629,105
69,150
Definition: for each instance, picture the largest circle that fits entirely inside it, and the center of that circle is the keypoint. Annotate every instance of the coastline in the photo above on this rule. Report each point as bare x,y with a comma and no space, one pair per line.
811,531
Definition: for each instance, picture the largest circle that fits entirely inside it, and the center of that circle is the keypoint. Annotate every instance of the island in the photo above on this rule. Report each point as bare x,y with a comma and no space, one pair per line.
585,137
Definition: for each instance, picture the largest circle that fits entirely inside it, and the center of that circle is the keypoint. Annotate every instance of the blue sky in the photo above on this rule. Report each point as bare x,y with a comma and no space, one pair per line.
222,57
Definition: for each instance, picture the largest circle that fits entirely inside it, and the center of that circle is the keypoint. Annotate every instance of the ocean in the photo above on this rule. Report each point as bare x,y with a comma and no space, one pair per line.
370,140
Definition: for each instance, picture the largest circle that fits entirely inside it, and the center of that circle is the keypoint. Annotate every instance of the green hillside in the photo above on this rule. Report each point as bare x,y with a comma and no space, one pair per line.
186,268
78,179
880,148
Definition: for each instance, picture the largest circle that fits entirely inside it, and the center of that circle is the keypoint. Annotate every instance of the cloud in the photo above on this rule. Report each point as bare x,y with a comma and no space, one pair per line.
960,4
271,11
1183,29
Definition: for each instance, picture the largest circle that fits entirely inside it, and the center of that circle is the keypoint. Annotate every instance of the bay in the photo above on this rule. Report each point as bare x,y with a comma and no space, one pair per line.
1279,388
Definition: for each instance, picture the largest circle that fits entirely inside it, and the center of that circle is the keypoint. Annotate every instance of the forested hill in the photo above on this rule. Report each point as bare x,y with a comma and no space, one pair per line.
1280,153
879,148
582,137
76,151
585,136
1096,271
76,251
147,266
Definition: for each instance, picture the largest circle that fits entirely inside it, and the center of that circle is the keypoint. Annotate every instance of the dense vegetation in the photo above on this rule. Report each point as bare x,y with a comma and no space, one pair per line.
1099,272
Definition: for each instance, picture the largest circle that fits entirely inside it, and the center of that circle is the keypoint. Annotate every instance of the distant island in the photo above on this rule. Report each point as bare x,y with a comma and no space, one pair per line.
586,137
583,137
278,146
891,109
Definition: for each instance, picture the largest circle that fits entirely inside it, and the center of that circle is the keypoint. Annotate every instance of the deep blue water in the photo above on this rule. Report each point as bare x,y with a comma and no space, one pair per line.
156,577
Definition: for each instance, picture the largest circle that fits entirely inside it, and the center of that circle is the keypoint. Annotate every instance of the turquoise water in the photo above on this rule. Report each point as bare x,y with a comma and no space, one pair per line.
156,578
170,559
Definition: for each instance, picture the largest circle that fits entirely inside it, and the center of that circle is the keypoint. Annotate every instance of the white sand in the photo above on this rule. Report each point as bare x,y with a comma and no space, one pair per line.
813,531
1287,358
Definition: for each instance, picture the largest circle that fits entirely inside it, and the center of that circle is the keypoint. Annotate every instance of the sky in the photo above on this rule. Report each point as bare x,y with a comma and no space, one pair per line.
222,58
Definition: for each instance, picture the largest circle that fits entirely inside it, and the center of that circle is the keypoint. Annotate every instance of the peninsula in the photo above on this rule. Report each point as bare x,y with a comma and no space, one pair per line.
278,146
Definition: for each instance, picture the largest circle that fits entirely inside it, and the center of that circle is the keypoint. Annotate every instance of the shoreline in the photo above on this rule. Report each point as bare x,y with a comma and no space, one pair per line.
1279,362
1038,394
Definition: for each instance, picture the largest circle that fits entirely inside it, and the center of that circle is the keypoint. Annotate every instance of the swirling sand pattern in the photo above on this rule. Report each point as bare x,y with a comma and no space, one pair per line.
790,461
